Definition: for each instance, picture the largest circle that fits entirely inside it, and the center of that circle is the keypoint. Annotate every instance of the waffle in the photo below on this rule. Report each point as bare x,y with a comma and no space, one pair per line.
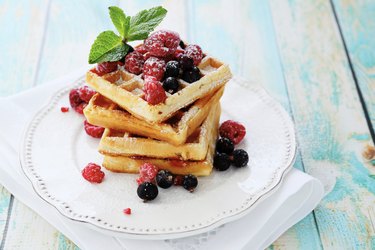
131,164
125,89
117,143
104,113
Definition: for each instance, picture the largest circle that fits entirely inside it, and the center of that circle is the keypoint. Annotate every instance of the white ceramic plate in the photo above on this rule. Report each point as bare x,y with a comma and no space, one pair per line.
56,148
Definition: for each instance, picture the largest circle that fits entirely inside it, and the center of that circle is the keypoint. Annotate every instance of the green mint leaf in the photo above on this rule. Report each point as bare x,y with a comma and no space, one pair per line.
107,47
119,19
144,22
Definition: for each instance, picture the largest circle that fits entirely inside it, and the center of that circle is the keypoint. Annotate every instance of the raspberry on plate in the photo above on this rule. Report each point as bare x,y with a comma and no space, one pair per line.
154,67
93,173
134,62
154,92
162,43
147,173
85,93
92,130
232,130
195,52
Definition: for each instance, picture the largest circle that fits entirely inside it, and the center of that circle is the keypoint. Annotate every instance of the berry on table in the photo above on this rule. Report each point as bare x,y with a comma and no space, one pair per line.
192,75
240,158
186,62
154,67
232,130
154,91
134,62
224,145
147,191
221,161
147,173
92,130
171,85
162,43
172,69
164,179
93,173
190,182
195,52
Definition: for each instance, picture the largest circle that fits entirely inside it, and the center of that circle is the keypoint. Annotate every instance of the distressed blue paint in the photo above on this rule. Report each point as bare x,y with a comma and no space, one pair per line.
357,22
64,244
360,137
335,96
360,174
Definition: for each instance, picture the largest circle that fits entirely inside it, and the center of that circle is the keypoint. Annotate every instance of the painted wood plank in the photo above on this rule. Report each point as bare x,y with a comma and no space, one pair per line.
357,21
327,114
244,37
4,207
72,28
33,232
21,26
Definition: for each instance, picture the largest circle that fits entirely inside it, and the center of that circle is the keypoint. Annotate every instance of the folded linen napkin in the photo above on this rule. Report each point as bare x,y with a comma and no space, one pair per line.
297,195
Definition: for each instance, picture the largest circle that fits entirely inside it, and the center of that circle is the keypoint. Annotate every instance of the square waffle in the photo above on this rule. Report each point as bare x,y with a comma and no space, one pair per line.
104,113
117,143
131,164
125,89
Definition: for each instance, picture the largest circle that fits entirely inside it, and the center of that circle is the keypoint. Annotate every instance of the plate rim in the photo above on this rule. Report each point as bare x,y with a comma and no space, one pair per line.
64,209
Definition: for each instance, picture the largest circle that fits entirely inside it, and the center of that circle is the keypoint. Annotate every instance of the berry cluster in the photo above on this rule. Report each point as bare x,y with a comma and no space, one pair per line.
80,97
150,176
165,58
231,133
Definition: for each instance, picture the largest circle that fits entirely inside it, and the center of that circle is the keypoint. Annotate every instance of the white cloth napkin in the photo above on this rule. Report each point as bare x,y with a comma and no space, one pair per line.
297,196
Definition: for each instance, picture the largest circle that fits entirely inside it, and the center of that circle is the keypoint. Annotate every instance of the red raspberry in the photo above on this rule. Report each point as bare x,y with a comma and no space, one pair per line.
154,67
194,52
147,173
127,211
93,173
79,98
85,93
141,49
64,109
162,43
178,53
92,130
76,102
232,130
134,62
154,92
106,67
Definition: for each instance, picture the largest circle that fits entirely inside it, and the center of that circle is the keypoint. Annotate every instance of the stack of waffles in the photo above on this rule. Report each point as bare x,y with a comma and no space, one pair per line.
177,135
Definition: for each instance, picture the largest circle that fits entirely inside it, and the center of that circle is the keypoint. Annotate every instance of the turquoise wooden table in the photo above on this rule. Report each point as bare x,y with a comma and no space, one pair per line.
317,57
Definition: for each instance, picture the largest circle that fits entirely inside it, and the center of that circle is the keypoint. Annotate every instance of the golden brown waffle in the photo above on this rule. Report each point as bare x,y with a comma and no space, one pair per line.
131,164
125,89
117,143
104,113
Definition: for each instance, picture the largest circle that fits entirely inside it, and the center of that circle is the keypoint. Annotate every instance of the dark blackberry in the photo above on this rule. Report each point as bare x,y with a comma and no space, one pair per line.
224,145
190,182
221,161
147,191
172,69
192,75
164,179
182,44
171,85
186,62
240,158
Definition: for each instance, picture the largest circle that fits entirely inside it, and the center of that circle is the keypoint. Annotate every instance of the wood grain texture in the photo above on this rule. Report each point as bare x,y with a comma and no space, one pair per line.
357,21
22,28
244,37
327,114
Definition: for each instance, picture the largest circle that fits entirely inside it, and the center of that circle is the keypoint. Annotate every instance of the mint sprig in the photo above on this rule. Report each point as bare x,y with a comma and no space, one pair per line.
110,47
